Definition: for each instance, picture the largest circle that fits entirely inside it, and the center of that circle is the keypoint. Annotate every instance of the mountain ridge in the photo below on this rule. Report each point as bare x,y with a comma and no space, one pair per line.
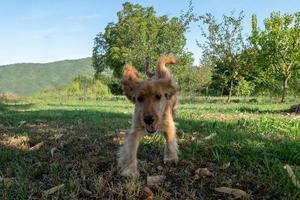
42,63
26,79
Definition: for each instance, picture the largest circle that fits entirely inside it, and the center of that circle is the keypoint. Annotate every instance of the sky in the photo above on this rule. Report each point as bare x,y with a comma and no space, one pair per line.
50,30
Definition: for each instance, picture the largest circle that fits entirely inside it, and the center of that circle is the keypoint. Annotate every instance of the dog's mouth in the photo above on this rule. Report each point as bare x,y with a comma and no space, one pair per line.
151,128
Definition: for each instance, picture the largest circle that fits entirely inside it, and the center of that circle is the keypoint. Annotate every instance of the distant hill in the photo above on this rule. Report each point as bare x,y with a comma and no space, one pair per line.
28,78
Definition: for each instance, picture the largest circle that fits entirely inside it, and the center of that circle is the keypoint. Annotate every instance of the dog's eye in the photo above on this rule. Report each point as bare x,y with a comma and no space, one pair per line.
158,97
140,99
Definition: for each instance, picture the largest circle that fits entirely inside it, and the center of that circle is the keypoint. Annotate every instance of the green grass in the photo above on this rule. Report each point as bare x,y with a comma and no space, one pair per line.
258,139
30,78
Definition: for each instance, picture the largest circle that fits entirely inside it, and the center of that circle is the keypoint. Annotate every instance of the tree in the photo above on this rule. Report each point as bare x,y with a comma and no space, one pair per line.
140,36
196,79
278,46
295,83
99,57
224,45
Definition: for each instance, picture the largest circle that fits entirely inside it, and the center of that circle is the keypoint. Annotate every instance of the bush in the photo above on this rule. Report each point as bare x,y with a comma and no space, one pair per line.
244,88
112,82
99,89
73,87
253,100
85,86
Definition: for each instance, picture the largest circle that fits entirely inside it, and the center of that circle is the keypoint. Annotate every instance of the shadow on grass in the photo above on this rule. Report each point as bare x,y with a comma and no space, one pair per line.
260,111
3,107
15,107
87,122
86,146
83,105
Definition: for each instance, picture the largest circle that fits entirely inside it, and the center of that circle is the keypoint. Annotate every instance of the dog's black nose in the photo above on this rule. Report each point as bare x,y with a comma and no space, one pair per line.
148,119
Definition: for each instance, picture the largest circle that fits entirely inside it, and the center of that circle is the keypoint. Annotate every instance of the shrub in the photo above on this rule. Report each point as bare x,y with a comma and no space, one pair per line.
112,82
73,87
253,100
244,88
85,86
99,89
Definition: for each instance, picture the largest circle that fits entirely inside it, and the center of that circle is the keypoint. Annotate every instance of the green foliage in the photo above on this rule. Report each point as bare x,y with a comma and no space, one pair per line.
73,87
244,88
85,86
98,58
278,47
196,80
223,48
268,64
99,89
138,36
29,78
295,83
112,82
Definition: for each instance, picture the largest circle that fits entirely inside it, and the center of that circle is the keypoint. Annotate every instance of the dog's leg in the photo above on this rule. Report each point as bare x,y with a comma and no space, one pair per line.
127,160
171,147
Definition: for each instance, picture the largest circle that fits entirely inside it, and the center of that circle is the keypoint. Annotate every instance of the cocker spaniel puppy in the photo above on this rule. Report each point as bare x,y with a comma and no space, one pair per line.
154,100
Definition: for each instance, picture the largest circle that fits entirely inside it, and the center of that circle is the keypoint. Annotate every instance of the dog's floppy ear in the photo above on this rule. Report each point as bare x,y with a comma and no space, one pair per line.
161,70
130,82
169,87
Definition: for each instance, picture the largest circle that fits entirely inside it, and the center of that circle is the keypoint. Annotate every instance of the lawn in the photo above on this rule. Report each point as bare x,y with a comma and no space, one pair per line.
72,144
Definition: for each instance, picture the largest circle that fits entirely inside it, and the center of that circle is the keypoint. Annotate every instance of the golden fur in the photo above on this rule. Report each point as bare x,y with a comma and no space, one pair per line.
154,99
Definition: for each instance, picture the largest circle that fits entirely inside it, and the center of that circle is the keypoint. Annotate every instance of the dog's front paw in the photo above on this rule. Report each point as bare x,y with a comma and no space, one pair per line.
170,158
171,152
130,172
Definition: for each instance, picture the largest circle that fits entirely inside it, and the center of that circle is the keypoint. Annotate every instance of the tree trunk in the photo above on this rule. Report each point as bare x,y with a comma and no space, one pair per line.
222,91
284,89
230,92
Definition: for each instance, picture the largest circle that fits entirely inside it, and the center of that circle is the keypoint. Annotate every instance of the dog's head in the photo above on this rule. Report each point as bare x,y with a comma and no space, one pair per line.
152,96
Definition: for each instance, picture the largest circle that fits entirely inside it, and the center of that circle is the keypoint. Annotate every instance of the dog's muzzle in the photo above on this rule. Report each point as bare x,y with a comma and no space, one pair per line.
149,123
151,128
